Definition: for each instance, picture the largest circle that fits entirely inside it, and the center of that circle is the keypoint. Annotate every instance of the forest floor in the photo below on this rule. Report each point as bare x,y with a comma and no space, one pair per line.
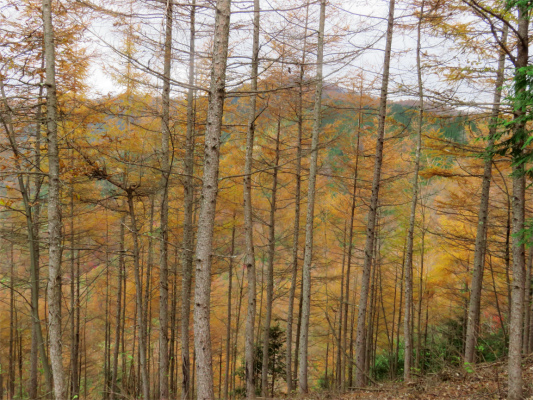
486,381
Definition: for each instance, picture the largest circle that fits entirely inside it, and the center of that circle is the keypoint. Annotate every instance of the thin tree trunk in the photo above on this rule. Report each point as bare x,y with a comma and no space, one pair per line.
145,384
345,361
228,323
118,315
147,295
472,322
54,208
165,166
173,328
107,333
37,181
248,214
360,378
527,300
298,330
237,328
338,376
303,386
12,328
407,333
297,200
270,267
188,240
519,138
420,295
74,323
206,220
352,324
399,321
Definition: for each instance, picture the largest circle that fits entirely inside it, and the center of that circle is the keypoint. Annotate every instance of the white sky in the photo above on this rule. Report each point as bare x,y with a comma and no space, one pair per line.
352,14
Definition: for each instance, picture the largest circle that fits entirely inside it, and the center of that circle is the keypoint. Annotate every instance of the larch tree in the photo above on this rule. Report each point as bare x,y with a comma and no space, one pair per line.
188,207
297,206
54,208
361,332
408,334
206,218
165,167
303,386
519,138
472,322
248,212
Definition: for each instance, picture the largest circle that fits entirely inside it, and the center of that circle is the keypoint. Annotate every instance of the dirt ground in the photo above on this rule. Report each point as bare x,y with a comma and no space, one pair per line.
486,381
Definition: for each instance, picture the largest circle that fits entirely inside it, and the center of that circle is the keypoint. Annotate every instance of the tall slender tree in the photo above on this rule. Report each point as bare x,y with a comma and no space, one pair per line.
303,385
360,361
297,200
206,219
248,213
188,208
165,167
522,99
54,207
472,322
408,334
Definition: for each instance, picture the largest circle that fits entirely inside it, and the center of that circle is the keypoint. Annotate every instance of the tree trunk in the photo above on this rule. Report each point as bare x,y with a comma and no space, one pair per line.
12,328
139,299
206,220
360,378
165,166
338,376
188,239
519,137
35,226
472,322
345,360
114,374
407,333
74,323
228,323
248,218
527,300
54,208
303,386
296,227
270,268
420,294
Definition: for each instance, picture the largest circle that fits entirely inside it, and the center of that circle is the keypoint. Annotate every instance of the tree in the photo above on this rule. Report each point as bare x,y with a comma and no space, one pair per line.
188,233
303,386
54,208
248,219
360,375
204,246
472,327
163,275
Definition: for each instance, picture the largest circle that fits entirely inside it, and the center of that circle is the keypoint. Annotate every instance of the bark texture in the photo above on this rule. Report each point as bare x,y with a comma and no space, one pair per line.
518,204
188,233
206,220
54,209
